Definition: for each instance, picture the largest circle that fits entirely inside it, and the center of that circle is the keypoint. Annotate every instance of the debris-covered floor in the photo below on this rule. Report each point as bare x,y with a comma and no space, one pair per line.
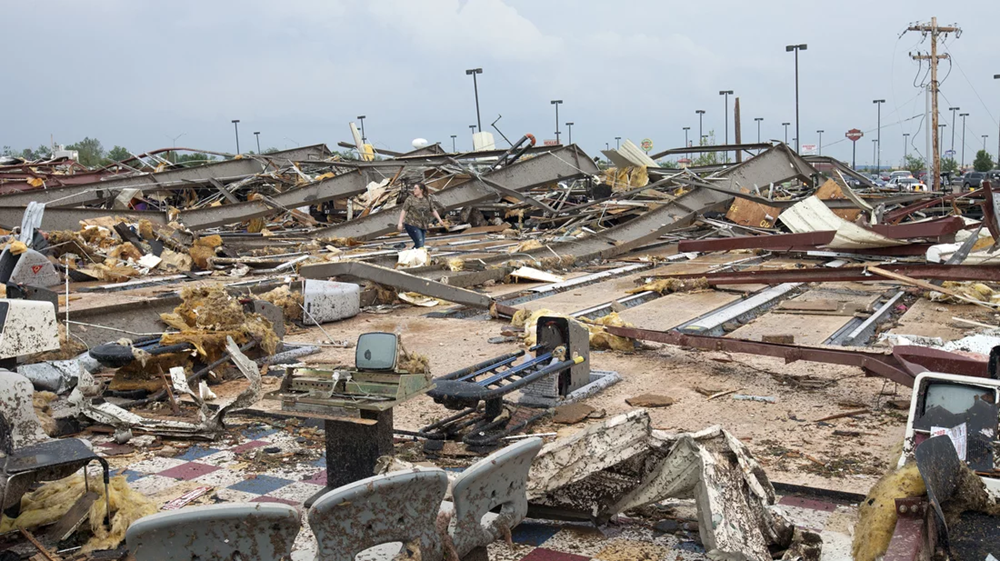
786,300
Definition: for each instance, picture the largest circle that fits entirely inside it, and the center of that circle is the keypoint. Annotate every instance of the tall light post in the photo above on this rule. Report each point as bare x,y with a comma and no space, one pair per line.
236,127
985,136
618,142
997,77
820,141
758,119
364,139
475,86
953,109
453,148
569,131
173,144
796,49
257,135
906,140
686,129
726,94
941,132
786,131
472,129
878,132
557,103
874,152
701,117
963,116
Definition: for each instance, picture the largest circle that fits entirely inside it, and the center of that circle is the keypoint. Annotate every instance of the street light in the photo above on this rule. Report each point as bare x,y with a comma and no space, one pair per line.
878,158
941,132
618,142
236,125
874,152
569,129
453,148
953,109
906,140
257,134
686,129
788,49
701,116
820,141
475,87
557,103
985,136
963,116
364,139
726,94
473,129
758,119
997,77
786,131
173,144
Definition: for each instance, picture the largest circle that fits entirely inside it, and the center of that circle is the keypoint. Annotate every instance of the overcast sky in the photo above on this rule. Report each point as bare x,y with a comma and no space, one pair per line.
138,74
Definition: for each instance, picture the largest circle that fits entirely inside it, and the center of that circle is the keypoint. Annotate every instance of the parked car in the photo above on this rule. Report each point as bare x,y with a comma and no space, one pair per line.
901,173
973,179
994,176
907,184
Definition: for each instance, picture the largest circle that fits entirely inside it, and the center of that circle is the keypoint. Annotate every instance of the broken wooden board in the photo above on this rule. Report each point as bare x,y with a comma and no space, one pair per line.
831,191
750,213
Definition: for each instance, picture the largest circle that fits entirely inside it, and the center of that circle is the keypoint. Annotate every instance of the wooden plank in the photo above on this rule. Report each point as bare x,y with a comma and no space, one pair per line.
74,517
751,213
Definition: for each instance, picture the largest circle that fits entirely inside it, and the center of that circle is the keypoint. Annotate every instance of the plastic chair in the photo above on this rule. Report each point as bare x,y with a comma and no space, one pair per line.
244,531
397,507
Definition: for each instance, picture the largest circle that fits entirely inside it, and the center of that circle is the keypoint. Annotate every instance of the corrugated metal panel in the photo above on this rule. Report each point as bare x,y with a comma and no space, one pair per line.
629,155
812,215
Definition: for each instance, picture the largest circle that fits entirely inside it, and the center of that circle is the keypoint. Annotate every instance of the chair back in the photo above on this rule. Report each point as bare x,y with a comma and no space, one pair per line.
16,405
400,506
245,531
500,479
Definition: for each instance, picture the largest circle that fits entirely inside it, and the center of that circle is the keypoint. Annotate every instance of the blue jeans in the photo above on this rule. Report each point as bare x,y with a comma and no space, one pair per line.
418,235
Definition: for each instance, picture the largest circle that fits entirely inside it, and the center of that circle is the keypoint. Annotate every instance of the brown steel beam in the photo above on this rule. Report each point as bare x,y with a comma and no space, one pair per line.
777,241
901,213
847,274
928,229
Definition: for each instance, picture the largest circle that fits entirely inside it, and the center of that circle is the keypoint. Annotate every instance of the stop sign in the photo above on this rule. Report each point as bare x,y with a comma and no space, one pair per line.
854,134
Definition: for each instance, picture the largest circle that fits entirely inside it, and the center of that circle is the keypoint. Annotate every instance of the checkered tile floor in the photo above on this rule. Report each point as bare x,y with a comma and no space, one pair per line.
225,469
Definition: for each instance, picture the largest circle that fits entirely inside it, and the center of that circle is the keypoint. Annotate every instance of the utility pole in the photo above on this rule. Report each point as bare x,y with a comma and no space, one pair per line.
701,133
953,109
758,119
820,142
569,128
878,134
786,131
963,116
933,58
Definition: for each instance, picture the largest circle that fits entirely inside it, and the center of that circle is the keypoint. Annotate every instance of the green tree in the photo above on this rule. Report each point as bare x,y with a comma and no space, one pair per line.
43,151
91,151
668,164
270,150
118,153
707,158
914,164
983,161
949,165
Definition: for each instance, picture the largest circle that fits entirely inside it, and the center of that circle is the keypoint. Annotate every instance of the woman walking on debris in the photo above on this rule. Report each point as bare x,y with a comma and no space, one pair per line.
416,215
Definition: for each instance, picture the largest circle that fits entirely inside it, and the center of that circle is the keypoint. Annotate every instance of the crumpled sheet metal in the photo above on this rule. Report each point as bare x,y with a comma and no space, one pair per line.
399,507
813,215
622,464
209,425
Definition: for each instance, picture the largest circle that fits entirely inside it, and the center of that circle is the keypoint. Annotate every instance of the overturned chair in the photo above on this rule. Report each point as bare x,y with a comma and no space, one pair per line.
29,455
244,531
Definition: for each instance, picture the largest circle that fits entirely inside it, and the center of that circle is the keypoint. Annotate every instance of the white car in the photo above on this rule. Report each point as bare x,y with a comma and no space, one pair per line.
906,184
901,173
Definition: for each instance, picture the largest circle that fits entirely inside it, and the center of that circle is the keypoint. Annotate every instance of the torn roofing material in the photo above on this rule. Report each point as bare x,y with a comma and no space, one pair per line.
812,215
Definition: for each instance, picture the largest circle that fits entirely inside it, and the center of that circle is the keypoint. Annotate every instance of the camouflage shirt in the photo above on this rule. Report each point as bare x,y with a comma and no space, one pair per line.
420,211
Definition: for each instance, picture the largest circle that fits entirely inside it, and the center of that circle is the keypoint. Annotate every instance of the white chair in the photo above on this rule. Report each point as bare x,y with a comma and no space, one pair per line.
244,531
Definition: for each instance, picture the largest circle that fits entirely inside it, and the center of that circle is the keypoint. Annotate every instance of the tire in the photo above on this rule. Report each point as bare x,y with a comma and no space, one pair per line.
114,355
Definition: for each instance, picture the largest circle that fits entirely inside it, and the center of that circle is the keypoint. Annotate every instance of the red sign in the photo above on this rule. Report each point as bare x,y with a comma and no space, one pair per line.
854,134
550,143
35,269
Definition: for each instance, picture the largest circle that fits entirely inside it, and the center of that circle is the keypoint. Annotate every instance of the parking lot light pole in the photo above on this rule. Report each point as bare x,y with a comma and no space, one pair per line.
701,116
475,86
963,116
878,132
618,142
557,102
997,77
364,139
569,129
236,127
686,129
257,134
796,49
906,140
453,137
726,94
786,131
758,119
985,136
953,109
820,142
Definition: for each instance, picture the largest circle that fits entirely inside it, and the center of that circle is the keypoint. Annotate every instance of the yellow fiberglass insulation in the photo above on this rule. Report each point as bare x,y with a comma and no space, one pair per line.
207,315
877,514
666,286
54,499
599,338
